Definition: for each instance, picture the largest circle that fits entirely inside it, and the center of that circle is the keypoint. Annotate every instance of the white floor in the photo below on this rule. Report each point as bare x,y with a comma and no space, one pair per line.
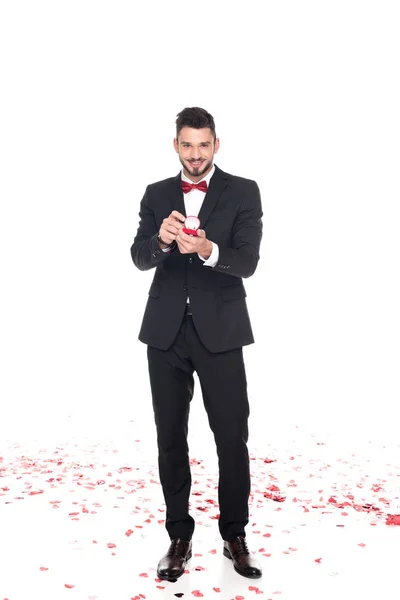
81,514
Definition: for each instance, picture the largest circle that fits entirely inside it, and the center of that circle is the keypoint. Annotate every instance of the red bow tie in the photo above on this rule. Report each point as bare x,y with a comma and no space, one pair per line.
187,187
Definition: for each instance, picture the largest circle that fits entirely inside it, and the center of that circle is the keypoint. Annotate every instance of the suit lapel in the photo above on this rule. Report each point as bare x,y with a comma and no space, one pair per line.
215,189
177,201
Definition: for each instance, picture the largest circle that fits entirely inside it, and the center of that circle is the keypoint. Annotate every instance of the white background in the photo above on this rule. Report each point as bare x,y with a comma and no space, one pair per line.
306,100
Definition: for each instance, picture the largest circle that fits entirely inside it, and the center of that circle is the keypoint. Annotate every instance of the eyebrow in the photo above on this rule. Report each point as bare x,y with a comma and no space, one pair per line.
183,142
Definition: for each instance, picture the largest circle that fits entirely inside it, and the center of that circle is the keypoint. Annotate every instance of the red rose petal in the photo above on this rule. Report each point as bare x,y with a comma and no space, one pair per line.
393,520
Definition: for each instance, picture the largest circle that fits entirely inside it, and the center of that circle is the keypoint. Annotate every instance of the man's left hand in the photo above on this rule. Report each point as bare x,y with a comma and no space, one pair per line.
188,244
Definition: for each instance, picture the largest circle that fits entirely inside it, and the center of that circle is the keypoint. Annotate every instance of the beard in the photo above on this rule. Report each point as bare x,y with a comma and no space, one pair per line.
196,171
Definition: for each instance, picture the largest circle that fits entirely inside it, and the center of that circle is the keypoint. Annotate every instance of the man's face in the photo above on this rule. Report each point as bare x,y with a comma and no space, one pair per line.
196,149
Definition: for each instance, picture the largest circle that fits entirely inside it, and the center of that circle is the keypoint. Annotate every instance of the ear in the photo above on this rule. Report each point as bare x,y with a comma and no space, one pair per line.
216,145
176,145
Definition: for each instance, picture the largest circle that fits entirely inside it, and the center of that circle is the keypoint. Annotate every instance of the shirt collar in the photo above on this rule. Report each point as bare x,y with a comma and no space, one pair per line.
206,178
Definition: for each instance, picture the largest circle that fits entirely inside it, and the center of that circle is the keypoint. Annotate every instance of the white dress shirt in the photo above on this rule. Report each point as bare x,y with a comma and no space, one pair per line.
193,201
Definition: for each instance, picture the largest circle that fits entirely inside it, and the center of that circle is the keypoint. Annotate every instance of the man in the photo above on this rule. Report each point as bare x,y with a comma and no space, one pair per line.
196,319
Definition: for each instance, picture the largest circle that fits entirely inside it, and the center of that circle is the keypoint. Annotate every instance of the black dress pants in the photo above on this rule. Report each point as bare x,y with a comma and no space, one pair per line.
224,388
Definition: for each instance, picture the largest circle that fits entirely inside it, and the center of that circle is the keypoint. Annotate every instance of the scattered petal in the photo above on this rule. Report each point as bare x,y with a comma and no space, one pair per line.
393,520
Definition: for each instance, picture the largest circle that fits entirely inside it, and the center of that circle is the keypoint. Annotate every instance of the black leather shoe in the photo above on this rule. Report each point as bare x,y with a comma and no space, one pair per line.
173,563
243,562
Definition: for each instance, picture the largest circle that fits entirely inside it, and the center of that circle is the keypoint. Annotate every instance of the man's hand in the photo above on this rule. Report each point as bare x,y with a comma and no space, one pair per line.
170,228
188,244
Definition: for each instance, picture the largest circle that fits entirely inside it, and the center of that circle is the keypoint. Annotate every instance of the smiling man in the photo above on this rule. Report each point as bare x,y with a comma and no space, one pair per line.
196,149
196,320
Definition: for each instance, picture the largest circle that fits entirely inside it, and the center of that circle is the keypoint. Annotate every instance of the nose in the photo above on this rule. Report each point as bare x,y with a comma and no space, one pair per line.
195,153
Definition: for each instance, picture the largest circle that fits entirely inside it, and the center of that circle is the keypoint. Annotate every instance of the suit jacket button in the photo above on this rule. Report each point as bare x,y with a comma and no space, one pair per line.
185,287
190,259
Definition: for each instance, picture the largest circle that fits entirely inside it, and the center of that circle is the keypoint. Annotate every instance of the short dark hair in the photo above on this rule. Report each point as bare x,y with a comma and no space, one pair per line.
195,117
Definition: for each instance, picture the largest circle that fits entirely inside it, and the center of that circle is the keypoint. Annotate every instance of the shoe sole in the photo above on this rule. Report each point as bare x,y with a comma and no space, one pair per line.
228,555
177,575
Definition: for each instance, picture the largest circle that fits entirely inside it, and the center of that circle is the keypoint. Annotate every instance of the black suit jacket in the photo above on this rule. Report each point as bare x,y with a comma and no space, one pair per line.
231,215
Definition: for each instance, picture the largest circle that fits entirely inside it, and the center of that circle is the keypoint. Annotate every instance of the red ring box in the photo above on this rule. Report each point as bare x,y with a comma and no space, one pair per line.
191,225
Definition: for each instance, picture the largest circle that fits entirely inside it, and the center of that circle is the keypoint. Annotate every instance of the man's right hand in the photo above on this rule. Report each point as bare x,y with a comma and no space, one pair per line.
170,227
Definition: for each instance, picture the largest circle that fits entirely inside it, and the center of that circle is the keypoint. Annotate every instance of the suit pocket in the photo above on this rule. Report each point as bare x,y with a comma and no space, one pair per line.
154,290
233,292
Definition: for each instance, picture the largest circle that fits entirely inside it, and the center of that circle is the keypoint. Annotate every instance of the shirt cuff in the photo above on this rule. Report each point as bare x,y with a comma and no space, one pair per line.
213,258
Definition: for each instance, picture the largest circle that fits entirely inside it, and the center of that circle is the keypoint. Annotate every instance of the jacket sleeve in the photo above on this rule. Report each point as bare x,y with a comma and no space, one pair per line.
145,251
242,257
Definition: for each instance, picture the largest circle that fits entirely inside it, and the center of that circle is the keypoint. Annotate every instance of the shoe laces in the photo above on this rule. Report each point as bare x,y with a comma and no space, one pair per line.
175,548
242,546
